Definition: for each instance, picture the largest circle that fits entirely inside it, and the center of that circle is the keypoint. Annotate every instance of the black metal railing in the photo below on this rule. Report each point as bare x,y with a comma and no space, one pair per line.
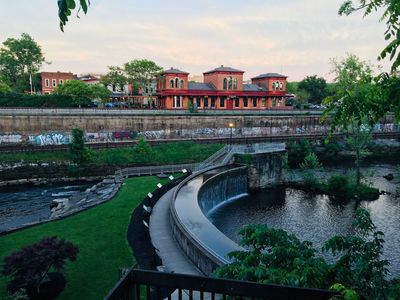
139,284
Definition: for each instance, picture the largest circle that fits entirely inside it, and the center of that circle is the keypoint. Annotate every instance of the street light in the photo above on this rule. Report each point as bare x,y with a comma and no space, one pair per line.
231,126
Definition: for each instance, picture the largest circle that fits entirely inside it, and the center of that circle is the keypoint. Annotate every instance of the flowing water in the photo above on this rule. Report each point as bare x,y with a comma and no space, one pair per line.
25,204
316,217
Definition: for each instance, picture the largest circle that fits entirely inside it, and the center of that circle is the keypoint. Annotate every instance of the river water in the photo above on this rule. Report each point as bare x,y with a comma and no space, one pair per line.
25,204
316,217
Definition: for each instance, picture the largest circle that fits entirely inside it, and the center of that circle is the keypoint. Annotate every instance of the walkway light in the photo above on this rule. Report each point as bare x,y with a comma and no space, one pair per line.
184,171
150,195
171,177
159,185
231,126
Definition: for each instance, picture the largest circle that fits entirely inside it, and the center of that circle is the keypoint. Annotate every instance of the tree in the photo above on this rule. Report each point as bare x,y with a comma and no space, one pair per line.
82,93
19,60
142,72
29,266
115,77
65,8
357,104
77,147
391,14
274,256
315,86
4,88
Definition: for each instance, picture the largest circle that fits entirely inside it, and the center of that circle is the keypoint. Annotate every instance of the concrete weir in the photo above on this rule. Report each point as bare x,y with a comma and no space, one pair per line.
194,198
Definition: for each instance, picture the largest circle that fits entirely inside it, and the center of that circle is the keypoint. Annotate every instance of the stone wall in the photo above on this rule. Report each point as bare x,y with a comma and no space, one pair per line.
50,129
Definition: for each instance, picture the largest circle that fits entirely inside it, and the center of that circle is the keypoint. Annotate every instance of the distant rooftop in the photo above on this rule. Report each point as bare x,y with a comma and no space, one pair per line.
253,88
268,75
225,69
174,71
201,86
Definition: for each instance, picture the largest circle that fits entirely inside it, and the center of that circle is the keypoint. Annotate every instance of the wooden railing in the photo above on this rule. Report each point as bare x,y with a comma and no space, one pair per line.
140,284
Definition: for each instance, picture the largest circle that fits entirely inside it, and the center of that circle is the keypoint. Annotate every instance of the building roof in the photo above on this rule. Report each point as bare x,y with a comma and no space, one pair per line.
201,86
268,75
253,88
174,71
224,69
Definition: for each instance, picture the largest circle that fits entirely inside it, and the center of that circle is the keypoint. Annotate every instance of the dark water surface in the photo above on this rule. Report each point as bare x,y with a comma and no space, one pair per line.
315,217
25,204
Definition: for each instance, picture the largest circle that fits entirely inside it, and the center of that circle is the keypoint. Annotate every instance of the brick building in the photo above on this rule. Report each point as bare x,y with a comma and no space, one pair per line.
222,88
50,80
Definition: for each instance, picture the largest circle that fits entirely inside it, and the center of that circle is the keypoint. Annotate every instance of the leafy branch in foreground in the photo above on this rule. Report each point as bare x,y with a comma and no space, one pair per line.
65,8
391,14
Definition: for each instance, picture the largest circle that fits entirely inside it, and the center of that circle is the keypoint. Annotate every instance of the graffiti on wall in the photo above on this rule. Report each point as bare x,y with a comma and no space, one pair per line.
48,139
11,139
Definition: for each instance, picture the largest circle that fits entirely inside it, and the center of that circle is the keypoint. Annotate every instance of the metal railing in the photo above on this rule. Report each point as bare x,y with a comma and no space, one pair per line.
139,284
154,170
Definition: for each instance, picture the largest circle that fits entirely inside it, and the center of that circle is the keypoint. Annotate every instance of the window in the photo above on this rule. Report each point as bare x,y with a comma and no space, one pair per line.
281,86
237,102
263,102
254,102
246,102
225,83
177,101
273,86
213,102
54,82
205,102
229,83
235,83
198,102
222,102
171,83
61,81
47,82
273,102
182,84
176,83
280,102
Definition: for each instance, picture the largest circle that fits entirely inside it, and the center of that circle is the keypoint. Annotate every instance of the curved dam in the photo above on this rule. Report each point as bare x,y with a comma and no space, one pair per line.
203,243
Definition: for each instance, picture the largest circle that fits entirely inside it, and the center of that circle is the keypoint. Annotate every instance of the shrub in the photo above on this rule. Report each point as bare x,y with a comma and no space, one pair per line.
43,101
29,266
310,162
338,186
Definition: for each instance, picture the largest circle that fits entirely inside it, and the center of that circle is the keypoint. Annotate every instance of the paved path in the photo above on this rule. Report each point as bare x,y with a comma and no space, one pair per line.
173,258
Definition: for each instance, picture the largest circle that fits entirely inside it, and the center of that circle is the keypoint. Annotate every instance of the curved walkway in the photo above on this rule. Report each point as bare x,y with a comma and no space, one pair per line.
173,258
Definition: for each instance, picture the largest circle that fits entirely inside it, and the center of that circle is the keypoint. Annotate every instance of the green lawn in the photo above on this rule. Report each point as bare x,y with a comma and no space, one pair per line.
100,234
172,153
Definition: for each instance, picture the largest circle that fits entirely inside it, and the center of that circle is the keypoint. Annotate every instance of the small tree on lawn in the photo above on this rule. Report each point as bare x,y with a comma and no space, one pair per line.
29,266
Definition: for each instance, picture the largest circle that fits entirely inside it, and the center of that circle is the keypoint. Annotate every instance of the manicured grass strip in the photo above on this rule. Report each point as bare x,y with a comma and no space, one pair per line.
172,153
100,234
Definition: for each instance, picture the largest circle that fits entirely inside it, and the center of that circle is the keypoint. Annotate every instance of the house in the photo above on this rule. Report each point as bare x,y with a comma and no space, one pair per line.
50,80
222,88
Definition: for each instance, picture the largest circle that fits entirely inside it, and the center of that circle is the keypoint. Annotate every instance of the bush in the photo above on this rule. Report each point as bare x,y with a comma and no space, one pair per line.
310,162
41,101
298,150
338,186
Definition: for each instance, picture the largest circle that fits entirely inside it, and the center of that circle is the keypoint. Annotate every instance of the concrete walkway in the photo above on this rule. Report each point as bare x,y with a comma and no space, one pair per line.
173,258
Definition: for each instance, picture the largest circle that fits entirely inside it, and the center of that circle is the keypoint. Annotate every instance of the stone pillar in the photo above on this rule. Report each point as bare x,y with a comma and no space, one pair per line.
264,169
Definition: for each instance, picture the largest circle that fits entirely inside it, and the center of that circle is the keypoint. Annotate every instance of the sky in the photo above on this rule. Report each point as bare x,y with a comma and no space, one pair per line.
295,37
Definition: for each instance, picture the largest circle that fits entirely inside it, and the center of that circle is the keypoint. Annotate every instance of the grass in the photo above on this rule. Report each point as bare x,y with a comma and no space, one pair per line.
172,153
100,234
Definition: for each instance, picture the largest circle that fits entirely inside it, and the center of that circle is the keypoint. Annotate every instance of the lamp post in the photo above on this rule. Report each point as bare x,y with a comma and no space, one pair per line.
231,126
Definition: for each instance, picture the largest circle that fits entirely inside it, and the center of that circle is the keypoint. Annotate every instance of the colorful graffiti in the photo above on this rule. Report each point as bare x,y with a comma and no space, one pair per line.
48,139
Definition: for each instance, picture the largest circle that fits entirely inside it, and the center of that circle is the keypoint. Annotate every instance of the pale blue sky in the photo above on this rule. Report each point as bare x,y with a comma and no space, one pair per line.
296,37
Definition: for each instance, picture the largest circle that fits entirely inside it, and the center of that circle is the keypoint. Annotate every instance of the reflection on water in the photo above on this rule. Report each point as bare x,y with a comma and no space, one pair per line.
315,217
25,204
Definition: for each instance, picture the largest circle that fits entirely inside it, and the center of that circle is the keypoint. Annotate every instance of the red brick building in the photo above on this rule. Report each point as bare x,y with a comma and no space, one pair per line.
223,88
50,80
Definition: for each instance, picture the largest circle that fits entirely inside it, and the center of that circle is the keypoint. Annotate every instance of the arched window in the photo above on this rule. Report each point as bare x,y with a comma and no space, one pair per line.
281,86
235,84
171,83
225,83
229,83
182,84
273,86
176,83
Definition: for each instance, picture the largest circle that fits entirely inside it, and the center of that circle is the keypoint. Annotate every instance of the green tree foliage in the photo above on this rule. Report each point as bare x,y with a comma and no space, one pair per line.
4,88
77,147
43,101
82,93
115,77
274,256
143,151
390,13
20,58
357,104
65,8
310,162
316,88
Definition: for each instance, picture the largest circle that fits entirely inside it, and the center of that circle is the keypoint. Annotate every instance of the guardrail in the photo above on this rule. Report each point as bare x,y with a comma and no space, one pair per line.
140,284
154,170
